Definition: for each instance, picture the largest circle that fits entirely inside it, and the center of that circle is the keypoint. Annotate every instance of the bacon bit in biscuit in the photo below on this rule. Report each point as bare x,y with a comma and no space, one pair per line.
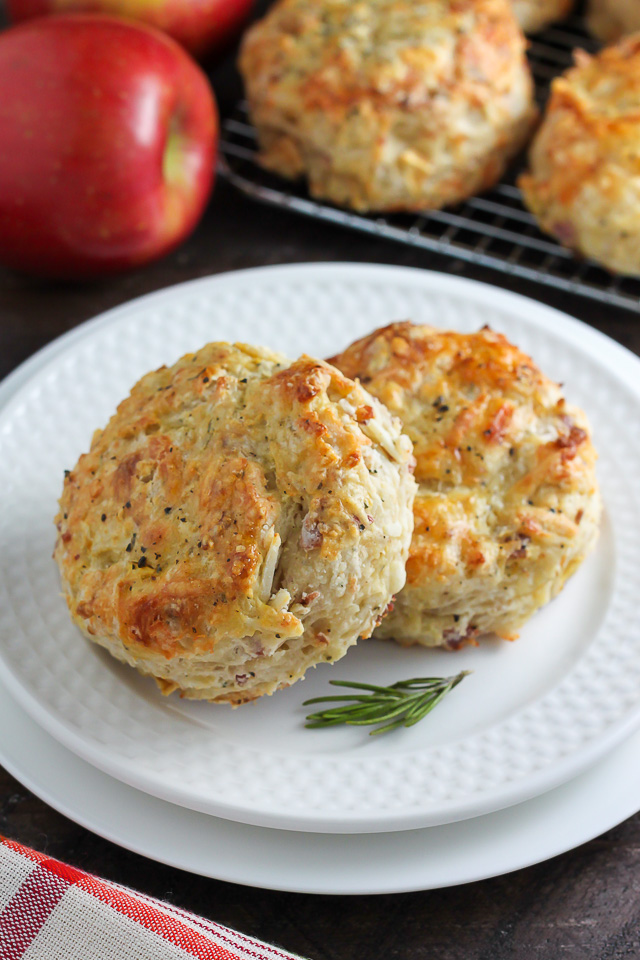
222,385
497,427
322,640
311,425
380,617
351,460
311,537
455,640
461,426
579,516
565,231
124,474
520,551
571,441
531,527
66,537
306,391
364,413
242,678
473,556
308,598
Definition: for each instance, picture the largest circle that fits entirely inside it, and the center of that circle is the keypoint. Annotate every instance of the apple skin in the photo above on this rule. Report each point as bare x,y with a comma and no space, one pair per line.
204,27
109,134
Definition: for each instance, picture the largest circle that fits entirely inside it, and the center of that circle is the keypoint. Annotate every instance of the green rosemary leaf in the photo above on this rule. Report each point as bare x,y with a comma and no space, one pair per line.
402,704
335,699
390,726
363,686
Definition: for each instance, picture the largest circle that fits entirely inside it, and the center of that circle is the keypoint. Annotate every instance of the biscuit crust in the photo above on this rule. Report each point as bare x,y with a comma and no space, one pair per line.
240,519
535,15
507,504
389,104
583,183
612,19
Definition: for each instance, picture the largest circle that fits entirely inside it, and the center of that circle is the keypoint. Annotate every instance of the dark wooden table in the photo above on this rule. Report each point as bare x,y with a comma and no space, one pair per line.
584,904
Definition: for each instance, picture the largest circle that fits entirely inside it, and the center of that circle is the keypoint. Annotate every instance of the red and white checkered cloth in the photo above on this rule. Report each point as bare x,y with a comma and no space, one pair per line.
51,911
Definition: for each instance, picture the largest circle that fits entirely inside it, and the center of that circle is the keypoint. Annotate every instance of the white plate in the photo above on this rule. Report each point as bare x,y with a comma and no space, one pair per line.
532,715
476,849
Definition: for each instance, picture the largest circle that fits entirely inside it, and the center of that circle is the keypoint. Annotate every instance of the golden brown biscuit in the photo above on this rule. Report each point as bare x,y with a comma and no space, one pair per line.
389,104
507,504
611,19
583,184
239,519
535,15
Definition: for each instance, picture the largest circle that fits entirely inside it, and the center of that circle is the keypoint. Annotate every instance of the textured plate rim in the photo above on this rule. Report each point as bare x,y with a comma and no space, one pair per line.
263,844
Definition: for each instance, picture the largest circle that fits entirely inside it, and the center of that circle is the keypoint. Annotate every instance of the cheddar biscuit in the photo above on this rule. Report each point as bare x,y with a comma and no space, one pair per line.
507,504
535,15
611,19
389,104
239,519
583,183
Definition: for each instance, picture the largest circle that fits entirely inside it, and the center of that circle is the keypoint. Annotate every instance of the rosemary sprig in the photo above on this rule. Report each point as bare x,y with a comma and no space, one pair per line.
400,705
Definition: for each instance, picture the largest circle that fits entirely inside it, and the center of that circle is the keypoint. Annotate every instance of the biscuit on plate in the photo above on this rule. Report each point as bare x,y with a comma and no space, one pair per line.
389,104
239,519
612,19
507,505
583,182
535,15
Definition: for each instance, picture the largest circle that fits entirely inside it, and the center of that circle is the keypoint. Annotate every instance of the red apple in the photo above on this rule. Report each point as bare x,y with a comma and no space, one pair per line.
202,26
108,134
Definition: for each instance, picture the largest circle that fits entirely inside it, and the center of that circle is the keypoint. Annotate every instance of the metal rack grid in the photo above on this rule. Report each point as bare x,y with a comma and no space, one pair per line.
493,230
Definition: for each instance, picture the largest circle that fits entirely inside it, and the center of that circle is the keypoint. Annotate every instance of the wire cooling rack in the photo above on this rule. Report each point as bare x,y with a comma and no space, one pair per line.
493,230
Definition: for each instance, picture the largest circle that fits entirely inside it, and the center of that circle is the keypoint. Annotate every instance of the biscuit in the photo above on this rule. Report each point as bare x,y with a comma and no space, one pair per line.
583,182
612,19
389,104
535,15
239,519
507,504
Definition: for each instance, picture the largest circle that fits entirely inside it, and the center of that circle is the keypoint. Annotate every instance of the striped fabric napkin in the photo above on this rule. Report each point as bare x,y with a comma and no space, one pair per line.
51,911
